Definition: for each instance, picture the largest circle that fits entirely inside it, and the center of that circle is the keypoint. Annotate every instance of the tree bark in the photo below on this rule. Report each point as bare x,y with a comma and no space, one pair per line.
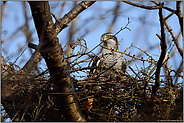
52,52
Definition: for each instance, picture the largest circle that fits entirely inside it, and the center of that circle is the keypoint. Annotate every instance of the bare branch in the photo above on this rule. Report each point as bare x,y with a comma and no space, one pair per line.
117,7
2,10
36,56
32,62
125,27
175,39
142,6
71,35
169,15
63,22
56,18
165,7
178,13
162,56
34,46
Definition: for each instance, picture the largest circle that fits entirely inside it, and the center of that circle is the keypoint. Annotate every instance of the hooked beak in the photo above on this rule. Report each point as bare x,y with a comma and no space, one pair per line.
103,38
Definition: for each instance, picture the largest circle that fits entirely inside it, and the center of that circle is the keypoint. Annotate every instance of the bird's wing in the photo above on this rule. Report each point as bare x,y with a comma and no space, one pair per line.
120,62
124,64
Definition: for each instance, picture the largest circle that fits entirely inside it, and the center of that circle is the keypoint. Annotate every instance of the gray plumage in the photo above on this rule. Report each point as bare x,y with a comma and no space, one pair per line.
108,58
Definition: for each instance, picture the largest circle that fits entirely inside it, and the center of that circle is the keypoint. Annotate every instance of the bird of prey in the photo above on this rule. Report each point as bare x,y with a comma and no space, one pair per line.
108,59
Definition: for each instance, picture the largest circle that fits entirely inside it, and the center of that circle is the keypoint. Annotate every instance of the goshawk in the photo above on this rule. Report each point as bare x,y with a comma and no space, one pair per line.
108,59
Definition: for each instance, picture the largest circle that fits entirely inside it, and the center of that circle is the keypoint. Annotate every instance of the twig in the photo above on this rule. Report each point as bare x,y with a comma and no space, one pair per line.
177,71
127,54
38,113
80,69
159,36
143,52
126,27
105,71
79,62
85,53
20,55
134,72
169,15
33,46
142,6
56,18
175,39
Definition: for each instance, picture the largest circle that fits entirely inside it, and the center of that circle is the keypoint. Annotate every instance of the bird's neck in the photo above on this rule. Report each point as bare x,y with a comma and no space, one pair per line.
108,45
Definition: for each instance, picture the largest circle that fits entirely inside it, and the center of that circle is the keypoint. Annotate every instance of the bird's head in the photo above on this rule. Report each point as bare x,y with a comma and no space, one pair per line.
109,40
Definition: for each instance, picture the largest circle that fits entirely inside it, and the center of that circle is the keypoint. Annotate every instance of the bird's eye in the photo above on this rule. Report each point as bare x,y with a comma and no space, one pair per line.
108,36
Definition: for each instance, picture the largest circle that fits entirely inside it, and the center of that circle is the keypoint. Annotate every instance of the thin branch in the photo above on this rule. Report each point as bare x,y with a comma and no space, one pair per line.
32,62
178,71
19,55
142,6
56,18
85,53
71,35
164,7
29,38
132,56
63,22
169,15
159,36
33,46
175,39
116,9
162,56
125,27
179,14
2,10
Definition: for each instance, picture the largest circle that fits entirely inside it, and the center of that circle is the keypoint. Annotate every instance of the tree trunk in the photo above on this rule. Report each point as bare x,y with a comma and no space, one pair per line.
52,52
